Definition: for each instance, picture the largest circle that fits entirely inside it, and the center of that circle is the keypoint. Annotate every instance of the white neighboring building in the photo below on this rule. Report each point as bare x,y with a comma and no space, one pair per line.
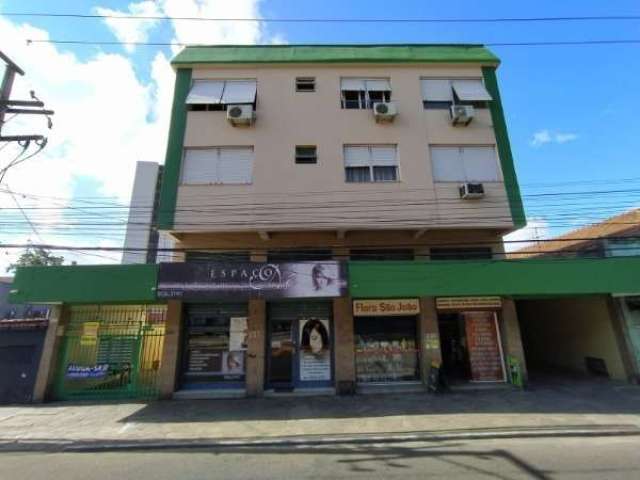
141,239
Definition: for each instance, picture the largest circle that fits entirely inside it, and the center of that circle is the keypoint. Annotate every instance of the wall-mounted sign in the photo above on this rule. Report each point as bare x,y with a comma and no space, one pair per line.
483,343
378,308
466,303
243,280
91,371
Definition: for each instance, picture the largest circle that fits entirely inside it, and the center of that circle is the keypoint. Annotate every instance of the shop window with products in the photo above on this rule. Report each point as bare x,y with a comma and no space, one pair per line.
471,347
386,349
215,343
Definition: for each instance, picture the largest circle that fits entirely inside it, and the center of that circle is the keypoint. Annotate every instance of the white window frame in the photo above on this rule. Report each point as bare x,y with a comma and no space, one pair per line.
364,101
370,164
451,80
461,148
218,149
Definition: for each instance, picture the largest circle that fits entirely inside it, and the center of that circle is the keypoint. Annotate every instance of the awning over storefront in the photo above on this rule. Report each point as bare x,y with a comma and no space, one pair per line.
85,284
388,279
518,278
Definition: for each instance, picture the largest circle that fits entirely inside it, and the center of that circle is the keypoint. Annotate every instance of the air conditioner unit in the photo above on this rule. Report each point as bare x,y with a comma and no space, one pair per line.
240,114
385,112
461,114
469,191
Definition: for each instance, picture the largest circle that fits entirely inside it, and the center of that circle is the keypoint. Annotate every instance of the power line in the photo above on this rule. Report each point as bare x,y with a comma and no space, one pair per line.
329,19
631,41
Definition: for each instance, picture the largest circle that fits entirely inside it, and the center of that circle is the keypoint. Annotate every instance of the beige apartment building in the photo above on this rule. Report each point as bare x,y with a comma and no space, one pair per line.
296,156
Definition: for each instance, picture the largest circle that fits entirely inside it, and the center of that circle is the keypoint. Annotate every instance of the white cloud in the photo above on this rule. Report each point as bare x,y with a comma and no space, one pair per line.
131,31
106,118
565,137
543,137
536,229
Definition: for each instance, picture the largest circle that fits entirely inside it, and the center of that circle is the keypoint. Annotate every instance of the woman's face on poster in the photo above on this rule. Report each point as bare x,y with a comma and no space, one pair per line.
315,341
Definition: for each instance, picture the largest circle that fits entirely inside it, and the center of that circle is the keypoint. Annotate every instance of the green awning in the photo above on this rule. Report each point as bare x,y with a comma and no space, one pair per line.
517,278
85,284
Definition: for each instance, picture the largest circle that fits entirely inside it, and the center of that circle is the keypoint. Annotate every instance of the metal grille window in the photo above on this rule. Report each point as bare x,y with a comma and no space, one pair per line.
370,163
442,93
306,154
217,94
217,165
361,93
305,84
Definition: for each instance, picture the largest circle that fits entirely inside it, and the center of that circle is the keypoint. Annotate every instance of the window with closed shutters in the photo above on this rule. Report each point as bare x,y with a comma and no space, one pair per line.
464,164
217,165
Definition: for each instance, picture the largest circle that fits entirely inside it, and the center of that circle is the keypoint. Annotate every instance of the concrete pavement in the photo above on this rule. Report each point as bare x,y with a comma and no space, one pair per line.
576,408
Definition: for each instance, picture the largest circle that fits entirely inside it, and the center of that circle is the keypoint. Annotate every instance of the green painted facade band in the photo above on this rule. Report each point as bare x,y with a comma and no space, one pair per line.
504,148
517,278
85,284
422,53
525,278
173,159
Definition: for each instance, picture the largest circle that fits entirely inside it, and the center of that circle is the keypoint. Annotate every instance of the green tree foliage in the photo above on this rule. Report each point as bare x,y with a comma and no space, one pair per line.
36,257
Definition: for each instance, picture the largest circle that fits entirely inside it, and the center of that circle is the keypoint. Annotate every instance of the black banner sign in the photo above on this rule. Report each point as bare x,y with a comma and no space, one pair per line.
244,280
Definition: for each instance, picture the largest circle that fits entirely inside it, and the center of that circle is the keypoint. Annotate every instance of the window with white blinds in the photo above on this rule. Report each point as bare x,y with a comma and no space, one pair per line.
370,163
218,165
439,92
221,92
360,93
465,164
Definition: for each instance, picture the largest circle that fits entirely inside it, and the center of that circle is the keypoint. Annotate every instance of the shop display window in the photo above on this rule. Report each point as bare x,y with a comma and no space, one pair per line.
386,349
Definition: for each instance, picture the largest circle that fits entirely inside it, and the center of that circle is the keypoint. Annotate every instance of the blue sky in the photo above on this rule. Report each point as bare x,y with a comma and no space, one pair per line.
571,110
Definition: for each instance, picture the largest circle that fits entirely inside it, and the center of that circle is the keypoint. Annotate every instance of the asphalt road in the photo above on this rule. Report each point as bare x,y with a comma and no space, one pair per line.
547,458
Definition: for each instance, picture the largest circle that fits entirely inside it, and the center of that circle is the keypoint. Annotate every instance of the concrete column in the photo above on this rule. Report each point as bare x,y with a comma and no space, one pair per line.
428,336
344,345
171,350
511,337
45,376
625,347
256,347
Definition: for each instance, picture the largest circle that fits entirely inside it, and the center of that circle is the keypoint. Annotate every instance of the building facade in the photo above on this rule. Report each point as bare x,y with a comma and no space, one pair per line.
333,218
338,153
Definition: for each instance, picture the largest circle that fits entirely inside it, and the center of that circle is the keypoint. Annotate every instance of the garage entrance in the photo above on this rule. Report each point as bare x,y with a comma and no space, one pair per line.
571,337
20,350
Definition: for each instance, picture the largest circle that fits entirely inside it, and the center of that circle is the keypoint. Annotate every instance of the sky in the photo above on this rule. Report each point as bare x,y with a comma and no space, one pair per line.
571,110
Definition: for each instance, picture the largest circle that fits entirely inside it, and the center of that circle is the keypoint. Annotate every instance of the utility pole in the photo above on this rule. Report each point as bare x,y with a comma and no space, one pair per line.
19,107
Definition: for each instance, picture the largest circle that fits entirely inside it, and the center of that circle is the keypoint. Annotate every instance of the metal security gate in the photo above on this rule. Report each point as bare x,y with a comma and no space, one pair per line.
111,352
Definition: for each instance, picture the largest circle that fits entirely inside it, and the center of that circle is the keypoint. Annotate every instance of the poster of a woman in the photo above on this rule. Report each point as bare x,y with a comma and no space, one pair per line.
315,346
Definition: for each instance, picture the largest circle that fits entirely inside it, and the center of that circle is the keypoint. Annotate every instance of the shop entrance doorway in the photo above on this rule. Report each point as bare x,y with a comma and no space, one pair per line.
299,346
471,347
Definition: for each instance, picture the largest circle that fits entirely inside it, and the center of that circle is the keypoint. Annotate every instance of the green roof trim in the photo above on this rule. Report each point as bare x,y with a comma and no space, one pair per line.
85,284
514,278
420,53
504,148
173,158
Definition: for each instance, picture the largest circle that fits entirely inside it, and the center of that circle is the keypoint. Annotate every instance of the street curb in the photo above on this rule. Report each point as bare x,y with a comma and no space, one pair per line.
351,439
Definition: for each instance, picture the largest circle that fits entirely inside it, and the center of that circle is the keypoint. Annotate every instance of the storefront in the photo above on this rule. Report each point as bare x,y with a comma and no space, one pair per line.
288,342
300,353
214,346
470,340
386,341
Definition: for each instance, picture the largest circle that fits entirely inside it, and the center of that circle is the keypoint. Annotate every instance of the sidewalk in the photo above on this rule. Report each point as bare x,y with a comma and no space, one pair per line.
576,408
